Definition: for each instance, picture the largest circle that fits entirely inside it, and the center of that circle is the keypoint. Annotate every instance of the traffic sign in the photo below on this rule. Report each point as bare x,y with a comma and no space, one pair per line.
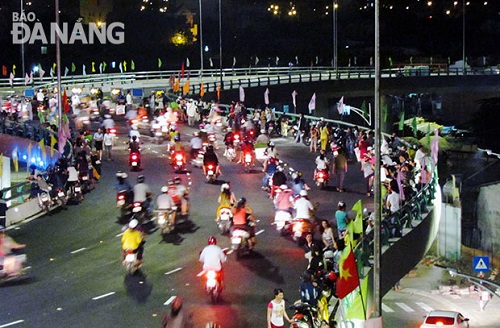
481,264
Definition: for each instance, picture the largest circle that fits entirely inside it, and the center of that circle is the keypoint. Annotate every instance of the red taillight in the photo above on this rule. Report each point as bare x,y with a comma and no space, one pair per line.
137,204
210,167
134,156
112,131
178,157
121,197
248,157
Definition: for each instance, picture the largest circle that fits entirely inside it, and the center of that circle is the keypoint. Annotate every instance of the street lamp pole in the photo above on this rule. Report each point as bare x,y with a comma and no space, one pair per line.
463,37
22,43
220,44
58,70
201,42
335,42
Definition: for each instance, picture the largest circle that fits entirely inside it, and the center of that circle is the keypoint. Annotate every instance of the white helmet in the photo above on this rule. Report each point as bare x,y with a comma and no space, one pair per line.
224,186
133,224
283,187
295,175
303,193
164,189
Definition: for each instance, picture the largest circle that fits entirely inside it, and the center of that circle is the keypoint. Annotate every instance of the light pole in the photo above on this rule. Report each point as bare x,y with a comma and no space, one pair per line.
463,37
22,43
220,43
201,42
335,41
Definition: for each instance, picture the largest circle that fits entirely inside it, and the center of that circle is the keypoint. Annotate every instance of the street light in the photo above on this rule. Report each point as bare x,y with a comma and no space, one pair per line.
201,41
335,44
220,44
22,38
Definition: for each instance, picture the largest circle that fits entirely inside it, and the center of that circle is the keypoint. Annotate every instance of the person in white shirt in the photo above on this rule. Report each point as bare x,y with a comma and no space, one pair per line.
129,100
419,155
191,112
393,202
212,256
108,122
108,145
164,201
321,161
303,206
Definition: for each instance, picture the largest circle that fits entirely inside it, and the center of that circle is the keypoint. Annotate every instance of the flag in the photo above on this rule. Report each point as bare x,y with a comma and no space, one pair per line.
202,90
65,106
266,96
124,66
51,73
29,151
14,69
256,60
187,62
54,65
390,61
234,61
73,67
132,65
66,70
357,307
159,63
185,88
42,148
26,79
242,94
100,68
340,105
349,278
182,70
400,185
172,82
104,66
414,126
294,98
177,85
31,77
358,221
53,141
402,122
312,103
83,71
41,72
296,60
384,112
15,159
211,62
428,135
4,70
435,146
364,110
11,79
218,92
120,67
93,67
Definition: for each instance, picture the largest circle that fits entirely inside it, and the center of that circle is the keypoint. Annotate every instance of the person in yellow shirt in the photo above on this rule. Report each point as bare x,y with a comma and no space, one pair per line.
133,239
324,133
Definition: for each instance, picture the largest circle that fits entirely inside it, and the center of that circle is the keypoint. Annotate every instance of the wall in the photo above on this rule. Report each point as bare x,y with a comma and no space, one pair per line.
488,215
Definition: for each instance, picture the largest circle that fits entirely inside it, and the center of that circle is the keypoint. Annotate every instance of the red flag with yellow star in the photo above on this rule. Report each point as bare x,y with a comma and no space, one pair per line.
349,278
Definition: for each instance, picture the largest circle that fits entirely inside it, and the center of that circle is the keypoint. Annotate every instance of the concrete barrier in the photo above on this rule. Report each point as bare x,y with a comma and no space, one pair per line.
21,212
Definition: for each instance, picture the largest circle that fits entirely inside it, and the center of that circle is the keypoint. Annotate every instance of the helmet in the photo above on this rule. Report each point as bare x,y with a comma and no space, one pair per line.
283,187
107,116
170,182
229,129
196,134
210,147
177,304
133,224
299,173
224,186
270,144
212,240
164,189
294,175
341,204
303,193
141,179
118,174
177,180
134,127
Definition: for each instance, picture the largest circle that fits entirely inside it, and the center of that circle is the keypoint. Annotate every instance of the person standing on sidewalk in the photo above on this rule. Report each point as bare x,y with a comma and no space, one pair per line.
340,167
108,145
484,298
276,311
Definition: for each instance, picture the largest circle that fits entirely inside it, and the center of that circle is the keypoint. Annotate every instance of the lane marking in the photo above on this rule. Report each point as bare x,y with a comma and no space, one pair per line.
78,250
405,307
387,309
425,306
119,235
174,270
170,300
154,151
12,323
259,232
102,296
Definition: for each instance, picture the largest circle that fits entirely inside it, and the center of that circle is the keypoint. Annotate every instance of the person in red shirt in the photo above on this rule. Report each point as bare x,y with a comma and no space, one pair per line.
243,219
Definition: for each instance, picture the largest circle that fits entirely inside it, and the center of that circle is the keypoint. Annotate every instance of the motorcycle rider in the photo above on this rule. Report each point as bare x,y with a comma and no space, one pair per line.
271,150
270,169
322,162
226,199
7,246
196,144
298,183
246,147
303,206
212,257
211,158
133,239
164,201
243,219
283,201
108,122
134,146
134,132
142,193
182,193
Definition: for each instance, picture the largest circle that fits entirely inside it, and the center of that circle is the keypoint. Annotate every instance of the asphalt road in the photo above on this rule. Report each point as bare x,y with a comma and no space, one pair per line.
76,278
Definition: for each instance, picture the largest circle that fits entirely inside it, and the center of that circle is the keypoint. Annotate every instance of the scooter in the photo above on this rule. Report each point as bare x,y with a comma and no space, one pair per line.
166,220
247,161
60,198
283,221
134,161
305,316
211,173
13,267
75,193
224,221
178,161
230,153
213,285
321,178
130,262
300,228
240,242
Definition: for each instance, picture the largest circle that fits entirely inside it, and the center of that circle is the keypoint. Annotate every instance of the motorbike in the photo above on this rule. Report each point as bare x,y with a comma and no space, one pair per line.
178,161
213,285
60,198
321,178
300,228
134,161
211,173
305,316
230,153
14,267
198,160
166,220
130,262
247,161
283,221
212,138
85,182
112,132
44,201
75,194
240,242
123,202
224,222
159,132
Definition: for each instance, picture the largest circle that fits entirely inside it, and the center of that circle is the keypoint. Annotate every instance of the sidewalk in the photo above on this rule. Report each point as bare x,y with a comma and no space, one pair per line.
458,294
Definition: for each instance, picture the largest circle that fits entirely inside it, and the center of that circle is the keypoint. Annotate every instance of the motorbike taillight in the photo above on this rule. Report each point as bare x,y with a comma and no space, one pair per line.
112,131
134,156
210,167
121,197
178,157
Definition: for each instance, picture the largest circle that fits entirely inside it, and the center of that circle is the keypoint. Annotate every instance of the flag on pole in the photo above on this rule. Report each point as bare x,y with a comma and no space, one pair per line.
41,72
234,61
51,73
294,98
340,105
428,134
312,103
73,67
242,94
66,70
42,148
93,67
84,72
202,90
4,70
15,159
29,151
31,77
53,141
159,63
11,79
358,221
104,66
218,92
348,271
211,62
182,70
172,82
385,112
414,126
266,96
187,62
65,102
435,146
26,79
366,113
124,66
120,67
256,60
132,65
402,122
185,87
100,68
14,69
177,86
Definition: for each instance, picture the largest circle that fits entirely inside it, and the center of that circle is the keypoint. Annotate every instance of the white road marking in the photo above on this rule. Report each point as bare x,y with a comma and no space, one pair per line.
174,270
154,151
78,250
102,296
170,300
12,323
119,235
387,309
425,306
405,307
259,232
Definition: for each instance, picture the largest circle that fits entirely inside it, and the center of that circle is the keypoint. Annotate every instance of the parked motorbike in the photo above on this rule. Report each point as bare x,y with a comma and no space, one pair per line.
224,221
85,182
44,201
321,178
283,222
213,285
60,198
75,194
305,316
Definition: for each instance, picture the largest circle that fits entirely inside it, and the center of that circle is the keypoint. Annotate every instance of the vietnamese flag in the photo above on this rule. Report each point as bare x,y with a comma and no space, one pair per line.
202,90
4,70
182,70
172,82
65,102
349,278
185,88
177,86
218,92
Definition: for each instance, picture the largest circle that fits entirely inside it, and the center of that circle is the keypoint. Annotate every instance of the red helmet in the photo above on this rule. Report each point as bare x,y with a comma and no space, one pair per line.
177,304
212,240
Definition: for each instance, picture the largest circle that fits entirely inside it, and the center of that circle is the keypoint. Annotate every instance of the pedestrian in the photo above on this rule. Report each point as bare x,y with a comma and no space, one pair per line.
324,133
342,219
276,311
301,127
108,145
98,139
368,172
484,298
340,167
327,235
313,147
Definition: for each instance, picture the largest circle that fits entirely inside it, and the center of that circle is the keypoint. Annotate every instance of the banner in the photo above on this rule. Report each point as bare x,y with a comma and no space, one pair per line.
312,103
242,94
340,105
294,98
266,96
